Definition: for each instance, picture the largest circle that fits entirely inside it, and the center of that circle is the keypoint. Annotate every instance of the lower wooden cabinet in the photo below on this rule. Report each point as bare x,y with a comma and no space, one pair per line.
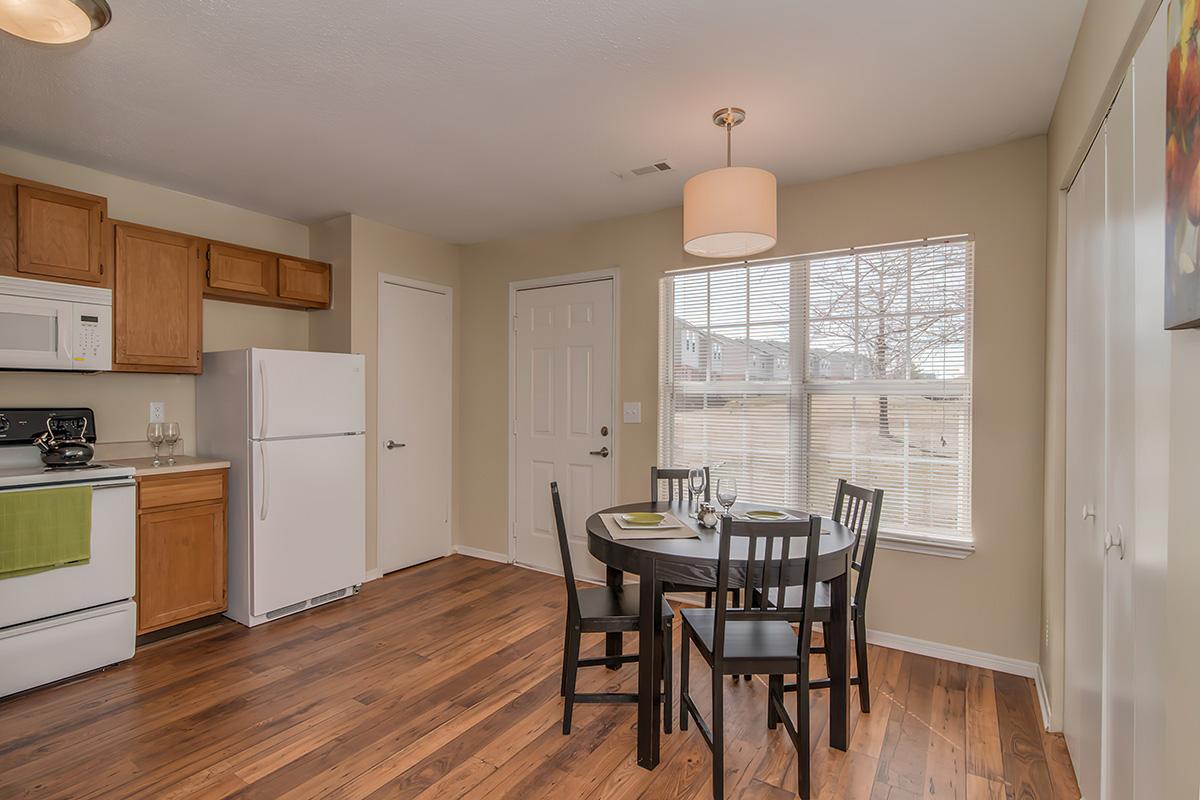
181,563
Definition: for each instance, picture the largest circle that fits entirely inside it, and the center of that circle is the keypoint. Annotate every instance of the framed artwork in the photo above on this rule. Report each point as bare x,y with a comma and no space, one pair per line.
1181,307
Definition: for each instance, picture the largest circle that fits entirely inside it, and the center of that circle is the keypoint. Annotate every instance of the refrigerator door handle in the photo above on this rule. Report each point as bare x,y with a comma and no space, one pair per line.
262,398
265,505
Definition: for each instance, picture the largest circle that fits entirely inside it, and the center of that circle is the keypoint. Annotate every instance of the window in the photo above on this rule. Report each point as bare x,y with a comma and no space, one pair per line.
853,364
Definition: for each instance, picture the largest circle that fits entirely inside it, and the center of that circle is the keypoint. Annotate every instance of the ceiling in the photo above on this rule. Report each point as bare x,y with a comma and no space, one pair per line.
475,119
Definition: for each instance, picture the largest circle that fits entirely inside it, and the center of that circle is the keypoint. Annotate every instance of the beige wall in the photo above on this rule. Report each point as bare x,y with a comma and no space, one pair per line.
375,249
121,402
987,602
1103,50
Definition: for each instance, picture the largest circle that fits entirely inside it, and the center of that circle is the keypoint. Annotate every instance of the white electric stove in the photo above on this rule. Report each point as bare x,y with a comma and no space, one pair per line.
72,619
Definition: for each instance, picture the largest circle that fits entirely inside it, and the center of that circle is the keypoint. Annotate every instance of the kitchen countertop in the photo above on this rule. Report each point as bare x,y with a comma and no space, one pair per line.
145,466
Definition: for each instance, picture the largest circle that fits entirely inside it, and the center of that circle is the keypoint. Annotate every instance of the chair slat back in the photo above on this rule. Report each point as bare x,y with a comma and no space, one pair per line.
564,549
858,509
766,569
677,483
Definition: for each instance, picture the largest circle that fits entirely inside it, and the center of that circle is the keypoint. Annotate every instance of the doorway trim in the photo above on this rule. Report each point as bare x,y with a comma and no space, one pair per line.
424,286
611,274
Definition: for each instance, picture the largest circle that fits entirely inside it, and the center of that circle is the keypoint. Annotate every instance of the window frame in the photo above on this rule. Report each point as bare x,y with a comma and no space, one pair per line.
801,389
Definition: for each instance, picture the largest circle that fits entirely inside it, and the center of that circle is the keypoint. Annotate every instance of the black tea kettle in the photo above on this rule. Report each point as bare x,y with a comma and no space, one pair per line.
65,452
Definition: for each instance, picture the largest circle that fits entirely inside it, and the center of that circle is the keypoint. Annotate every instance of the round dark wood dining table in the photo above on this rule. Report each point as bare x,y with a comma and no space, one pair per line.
694,561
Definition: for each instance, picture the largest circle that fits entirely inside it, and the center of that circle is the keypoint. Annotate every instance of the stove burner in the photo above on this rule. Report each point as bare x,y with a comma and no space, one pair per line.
73,467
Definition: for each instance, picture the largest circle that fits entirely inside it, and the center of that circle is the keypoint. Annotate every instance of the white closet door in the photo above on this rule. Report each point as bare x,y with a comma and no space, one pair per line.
1118,746
1086,515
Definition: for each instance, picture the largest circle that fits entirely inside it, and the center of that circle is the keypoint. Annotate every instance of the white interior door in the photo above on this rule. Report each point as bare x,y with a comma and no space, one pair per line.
307,513
415,436
1118,746
563,422
1085,495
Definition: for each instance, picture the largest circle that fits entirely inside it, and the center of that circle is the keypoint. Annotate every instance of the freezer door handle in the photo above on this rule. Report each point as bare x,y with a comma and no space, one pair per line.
265,505
262,399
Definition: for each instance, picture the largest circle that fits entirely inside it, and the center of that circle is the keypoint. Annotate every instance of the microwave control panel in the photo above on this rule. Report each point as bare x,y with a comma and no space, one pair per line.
91,342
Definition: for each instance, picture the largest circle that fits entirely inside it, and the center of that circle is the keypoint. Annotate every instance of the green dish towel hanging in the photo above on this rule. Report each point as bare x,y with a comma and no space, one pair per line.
43,529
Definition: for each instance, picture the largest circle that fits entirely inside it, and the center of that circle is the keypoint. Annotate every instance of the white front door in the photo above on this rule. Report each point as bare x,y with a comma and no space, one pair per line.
563,425
414,438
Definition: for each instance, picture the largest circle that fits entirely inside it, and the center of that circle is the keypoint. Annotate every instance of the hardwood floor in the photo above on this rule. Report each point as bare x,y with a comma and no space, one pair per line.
442,681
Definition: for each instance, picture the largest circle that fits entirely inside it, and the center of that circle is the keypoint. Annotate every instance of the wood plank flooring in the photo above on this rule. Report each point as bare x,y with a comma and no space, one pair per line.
442,681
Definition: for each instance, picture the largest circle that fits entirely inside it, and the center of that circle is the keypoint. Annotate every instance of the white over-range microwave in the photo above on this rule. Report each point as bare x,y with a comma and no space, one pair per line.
60,326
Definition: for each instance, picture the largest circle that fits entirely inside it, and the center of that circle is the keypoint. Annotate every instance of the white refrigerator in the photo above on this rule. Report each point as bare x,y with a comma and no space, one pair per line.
292,425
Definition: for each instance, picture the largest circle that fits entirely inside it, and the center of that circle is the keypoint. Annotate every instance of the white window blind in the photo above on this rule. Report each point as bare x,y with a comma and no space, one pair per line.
789,375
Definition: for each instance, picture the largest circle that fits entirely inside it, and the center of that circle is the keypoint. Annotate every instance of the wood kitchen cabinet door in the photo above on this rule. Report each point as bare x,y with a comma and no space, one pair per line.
59,235
181,565
157,303
305,281
238,273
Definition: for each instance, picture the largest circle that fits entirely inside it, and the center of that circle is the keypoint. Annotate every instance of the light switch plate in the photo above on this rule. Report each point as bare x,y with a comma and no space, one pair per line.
158,411
633,412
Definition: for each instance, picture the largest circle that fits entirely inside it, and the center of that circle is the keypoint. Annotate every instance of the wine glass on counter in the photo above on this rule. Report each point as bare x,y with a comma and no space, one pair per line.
171,437
155,433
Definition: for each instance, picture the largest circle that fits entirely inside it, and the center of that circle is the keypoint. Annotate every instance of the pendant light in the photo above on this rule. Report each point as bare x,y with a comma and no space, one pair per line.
729,212
53,21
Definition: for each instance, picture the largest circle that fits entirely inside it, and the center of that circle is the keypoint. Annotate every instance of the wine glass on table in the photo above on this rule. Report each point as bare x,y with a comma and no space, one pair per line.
727,492
696,481
154,435
171,437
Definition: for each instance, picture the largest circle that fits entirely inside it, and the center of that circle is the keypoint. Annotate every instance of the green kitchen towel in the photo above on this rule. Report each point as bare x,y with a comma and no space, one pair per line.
42,529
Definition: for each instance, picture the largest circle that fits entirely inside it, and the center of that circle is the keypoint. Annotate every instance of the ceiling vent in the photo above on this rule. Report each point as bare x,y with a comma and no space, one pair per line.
649,169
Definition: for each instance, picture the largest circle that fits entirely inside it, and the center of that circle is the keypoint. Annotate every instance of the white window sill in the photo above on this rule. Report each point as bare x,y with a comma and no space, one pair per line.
925,544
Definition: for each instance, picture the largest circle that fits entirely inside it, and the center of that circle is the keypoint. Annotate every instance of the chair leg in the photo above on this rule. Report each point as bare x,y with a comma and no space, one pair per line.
718,736
774,689
684,660
860,653
572,669
708,599
803,722
668,681
562,691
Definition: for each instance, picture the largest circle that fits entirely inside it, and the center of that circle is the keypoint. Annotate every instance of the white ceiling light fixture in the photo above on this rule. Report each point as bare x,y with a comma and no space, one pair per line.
729,212
53,21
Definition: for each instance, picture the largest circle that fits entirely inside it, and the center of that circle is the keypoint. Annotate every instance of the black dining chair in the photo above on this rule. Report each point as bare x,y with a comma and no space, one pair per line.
756,640
677,483
858,509
606,609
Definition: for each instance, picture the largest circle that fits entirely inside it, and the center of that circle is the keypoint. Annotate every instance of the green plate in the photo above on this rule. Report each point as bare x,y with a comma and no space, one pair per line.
766,515
643,518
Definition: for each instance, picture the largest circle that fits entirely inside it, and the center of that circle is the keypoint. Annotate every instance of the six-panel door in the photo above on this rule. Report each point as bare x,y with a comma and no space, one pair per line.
157,312
563,418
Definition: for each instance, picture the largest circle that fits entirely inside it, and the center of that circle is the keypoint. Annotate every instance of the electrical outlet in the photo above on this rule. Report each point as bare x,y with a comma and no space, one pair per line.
158,411
633,412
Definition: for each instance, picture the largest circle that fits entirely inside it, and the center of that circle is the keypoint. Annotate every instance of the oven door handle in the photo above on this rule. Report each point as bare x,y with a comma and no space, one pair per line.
98,486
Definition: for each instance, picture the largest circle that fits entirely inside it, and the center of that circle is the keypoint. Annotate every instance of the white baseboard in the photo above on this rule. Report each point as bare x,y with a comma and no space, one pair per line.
949,652
373,574
1044,701
475,552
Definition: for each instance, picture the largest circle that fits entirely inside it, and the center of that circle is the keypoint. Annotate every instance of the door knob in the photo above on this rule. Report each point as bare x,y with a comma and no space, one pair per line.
1119,542
602,452
390,445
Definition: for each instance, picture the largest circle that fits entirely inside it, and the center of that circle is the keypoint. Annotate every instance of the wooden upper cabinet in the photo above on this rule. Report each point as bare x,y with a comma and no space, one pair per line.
157,302
59,235
304,281
239,273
